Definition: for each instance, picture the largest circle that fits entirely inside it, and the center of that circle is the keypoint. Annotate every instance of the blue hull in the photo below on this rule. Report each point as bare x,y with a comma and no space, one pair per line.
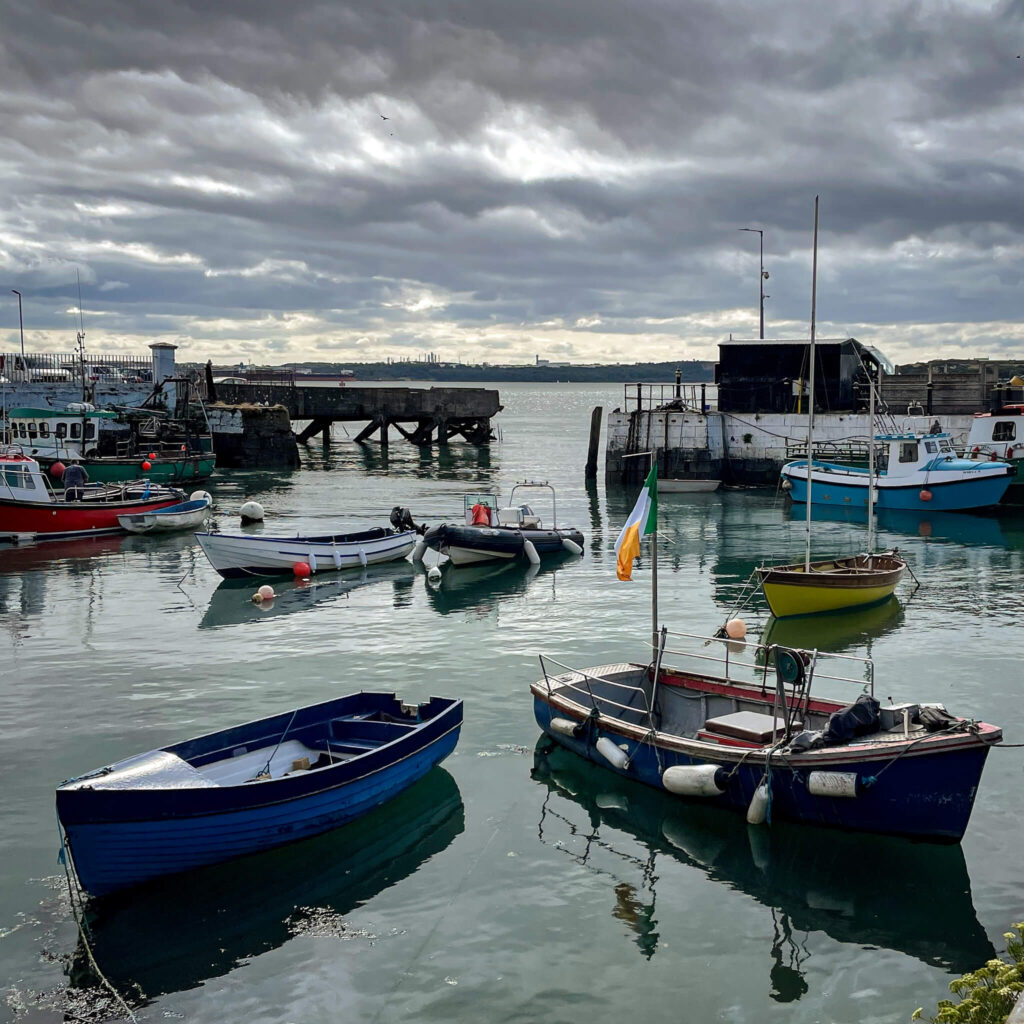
955,496
123,837
926,797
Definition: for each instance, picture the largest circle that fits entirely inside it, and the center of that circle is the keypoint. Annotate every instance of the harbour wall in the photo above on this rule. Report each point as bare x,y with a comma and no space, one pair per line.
737,449
253,436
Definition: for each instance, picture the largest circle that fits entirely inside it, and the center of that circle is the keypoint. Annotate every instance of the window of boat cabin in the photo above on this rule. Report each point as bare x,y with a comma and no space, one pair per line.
44,428
62,430
90,431
1004,431
32,428
76,430
18,477
908,451
931,447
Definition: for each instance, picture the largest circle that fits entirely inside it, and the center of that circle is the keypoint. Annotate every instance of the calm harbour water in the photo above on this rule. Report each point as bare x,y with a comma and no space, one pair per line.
507,885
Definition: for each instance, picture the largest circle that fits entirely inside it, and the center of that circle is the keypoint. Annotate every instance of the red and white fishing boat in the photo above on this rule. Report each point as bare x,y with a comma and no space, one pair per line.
29,507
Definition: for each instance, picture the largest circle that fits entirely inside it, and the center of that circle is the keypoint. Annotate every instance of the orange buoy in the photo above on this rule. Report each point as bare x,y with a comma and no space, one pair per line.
736,629
147,466
925,494
301,569
57,470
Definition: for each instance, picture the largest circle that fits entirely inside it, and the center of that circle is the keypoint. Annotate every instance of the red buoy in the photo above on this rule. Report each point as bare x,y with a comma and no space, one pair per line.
301,569
57,470
147,466
152,455
925,495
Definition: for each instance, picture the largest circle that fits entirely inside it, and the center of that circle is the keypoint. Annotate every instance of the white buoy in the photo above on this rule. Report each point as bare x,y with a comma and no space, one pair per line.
563,726
434,574
419,551
614,755
757,812
251,512
571,545
201,496
531,552
266,592
694,779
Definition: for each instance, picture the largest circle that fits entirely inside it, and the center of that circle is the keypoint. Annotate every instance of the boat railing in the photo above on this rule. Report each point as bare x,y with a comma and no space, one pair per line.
581,679
736,666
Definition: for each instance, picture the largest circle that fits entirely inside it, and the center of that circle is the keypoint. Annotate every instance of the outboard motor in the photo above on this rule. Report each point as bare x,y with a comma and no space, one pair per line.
401,519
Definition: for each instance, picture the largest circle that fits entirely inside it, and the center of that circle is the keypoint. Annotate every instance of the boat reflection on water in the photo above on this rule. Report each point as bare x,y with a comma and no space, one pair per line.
19,558
836,631
857,889
956,527
231,603
173,935
482,587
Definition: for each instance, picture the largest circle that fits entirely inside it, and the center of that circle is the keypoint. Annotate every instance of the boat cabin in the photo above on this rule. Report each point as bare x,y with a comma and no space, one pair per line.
52,434
997,435
21,478
912,453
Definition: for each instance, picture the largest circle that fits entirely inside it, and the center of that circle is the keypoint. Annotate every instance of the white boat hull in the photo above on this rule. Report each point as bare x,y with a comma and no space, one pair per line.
688,486
154,522
236,556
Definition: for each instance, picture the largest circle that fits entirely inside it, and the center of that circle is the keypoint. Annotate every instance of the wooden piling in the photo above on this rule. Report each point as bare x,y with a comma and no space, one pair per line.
595,442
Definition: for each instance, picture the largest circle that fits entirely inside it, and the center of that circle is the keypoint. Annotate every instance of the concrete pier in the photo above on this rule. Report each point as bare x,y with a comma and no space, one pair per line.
736,449
423,416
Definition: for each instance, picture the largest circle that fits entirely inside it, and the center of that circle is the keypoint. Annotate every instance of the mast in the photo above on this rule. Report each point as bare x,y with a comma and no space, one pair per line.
810,399
871,460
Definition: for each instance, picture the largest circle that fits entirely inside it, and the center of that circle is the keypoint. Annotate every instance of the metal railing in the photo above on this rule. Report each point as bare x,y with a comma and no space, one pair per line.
585,678
687,397
72,368
756,670
731,664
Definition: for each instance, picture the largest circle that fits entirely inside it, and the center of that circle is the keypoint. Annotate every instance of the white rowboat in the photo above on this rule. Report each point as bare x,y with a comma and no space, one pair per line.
236,556
186,515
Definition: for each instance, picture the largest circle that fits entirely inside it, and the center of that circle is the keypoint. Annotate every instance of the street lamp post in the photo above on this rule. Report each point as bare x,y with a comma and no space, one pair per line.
21,325
762,275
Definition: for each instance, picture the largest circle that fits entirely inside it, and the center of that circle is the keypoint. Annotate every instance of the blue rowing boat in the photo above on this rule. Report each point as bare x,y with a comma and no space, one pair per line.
249,788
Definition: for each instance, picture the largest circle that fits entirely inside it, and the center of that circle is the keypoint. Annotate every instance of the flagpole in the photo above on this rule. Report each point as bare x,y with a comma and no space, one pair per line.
654,581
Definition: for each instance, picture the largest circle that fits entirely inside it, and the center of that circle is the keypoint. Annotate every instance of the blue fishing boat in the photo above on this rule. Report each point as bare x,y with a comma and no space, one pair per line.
722,731
249,788
920,472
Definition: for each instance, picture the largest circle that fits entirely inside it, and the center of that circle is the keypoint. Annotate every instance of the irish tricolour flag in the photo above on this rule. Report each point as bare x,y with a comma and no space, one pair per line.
642,521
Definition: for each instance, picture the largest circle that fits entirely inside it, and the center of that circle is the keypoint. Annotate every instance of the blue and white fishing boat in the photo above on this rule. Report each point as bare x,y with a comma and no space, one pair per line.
726,733
250,787
238,555
920,472
186,515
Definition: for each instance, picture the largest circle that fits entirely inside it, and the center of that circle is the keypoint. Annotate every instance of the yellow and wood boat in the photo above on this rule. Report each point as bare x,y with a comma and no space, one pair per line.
831,584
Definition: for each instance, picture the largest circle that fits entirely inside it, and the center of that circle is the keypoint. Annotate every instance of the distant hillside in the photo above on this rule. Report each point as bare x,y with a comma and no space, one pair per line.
617,373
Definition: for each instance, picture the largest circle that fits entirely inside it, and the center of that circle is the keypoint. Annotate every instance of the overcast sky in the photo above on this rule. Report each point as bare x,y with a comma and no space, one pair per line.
559,178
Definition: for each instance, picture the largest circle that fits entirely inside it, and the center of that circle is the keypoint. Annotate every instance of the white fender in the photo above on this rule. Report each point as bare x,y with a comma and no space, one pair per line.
531,552
832,784
362,557
563,726
571,545
757,812
419,550
693,779
613,754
